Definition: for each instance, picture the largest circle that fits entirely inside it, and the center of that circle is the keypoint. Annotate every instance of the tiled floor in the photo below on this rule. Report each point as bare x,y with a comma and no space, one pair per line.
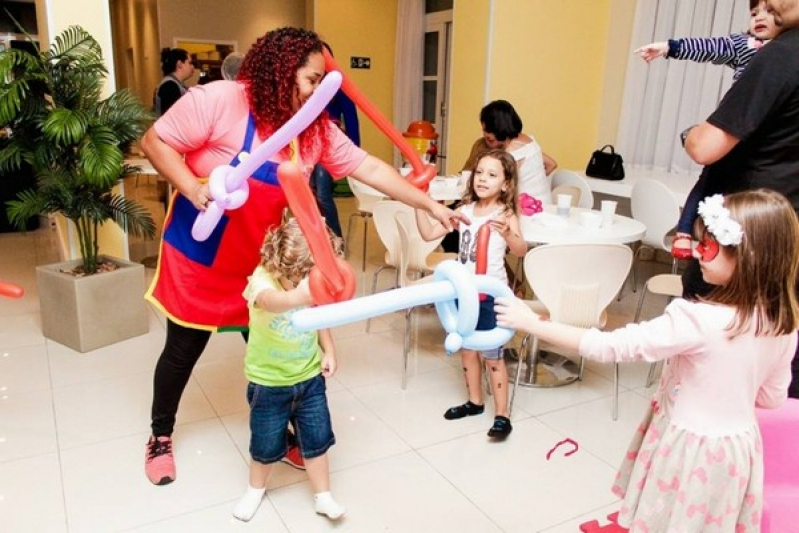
73,428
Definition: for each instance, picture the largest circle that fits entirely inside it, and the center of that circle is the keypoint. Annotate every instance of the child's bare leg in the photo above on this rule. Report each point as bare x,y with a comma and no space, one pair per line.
472,372
319,476
248,504
498,377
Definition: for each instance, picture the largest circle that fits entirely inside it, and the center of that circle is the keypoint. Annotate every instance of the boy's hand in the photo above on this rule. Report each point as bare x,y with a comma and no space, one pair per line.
653,51
329,365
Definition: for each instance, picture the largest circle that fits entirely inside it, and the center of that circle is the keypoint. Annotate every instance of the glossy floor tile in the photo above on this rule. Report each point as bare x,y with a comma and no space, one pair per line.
73,428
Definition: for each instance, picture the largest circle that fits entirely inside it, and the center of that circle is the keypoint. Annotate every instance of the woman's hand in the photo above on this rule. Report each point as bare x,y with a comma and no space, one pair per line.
200,196
653,51
512,313
447,217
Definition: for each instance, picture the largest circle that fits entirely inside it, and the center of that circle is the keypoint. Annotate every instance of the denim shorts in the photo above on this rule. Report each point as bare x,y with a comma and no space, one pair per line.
272,408
486,320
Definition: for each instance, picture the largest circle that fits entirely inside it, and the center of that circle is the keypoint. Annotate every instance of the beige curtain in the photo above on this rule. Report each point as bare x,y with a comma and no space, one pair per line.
408,59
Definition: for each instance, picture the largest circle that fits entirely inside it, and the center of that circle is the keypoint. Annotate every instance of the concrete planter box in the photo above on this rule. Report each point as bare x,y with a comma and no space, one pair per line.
85,313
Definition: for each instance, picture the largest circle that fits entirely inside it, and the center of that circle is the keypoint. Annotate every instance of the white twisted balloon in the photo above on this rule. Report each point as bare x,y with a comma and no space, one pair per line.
452,280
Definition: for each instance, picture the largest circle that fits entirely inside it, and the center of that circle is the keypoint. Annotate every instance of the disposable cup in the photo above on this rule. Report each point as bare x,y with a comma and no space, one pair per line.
564,204
608,210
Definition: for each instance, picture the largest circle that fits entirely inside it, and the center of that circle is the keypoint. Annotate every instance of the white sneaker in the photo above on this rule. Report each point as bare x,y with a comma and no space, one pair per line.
326,505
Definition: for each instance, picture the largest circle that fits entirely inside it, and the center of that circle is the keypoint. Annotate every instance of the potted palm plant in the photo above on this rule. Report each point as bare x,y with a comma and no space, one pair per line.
57,122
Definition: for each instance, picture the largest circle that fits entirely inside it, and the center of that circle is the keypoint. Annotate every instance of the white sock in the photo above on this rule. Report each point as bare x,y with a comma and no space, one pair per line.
249,503
326,505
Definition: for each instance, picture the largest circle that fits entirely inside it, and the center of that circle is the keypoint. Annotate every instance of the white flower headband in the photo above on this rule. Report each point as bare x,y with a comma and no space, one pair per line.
718,222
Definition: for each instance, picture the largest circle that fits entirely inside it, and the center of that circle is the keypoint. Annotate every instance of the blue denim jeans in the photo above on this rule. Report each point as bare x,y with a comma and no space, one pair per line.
323,185
272,408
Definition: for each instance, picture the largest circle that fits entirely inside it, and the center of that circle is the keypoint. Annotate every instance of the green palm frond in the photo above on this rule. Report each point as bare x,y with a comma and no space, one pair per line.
71,137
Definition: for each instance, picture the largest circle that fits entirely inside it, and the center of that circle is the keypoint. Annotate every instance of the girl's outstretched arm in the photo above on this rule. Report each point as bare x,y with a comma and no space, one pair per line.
514,314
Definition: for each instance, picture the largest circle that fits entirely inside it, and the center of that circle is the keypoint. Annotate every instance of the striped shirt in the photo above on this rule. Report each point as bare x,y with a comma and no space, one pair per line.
734,50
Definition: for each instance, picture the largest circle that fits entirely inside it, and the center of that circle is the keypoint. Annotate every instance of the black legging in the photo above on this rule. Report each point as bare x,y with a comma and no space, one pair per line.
183,348
694,285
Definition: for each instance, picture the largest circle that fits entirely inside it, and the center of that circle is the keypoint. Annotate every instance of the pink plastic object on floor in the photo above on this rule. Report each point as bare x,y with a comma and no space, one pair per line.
780,431
594,527
11,290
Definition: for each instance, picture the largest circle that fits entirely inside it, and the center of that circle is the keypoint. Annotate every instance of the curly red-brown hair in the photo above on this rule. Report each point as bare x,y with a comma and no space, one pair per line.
269,71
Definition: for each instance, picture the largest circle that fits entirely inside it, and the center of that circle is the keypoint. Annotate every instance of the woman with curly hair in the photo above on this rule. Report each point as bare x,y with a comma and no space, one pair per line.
198,285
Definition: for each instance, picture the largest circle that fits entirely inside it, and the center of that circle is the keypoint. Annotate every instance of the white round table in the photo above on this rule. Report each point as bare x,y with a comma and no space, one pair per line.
550,228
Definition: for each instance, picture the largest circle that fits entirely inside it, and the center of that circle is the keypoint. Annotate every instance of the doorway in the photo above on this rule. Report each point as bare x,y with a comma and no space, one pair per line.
436,74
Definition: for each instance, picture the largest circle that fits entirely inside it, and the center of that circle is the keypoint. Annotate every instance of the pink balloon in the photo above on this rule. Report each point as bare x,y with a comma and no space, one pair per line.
11,290
235,178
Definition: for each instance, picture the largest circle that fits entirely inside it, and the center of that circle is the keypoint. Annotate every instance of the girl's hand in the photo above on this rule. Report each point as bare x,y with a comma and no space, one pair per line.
200,196
329,365
500,225
653,51
303,292
512,313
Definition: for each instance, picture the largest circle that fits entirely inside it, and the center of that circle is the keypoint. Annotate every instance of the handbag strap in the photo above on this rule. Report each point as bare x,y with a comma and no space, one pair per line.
612,151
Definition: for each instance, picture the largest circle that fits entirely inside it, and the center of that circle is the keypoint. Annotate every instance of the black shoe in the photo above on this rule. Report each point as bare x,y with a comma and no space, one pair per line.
501,428
467,409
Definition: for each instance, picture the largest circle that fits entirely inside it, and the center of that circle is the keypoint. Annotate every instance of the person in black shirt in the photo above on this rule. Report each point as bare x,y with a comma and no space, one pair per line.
752,139
177,66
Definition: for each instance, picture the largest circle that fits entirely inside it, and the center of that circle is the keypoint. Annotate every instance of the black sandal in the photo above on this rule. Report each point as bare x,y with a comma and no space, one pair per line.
460,411
501,428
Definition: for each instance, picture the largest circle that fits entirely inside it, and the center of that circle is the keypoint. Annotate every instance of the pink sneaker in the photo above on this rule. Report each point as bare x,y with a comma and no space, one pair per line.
294,458
159,464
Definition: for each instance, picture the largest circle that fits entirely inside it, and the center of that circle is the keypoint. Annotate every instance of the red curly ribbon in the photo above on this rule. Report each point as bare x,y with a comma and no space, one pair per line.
561,443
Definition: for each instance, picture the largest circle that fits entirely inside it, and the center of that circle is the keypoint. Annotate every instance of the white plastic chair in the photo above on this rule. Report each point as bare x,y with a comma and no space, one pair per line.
569,177
574,284
367,198
654,204
665,285
405,224
422,259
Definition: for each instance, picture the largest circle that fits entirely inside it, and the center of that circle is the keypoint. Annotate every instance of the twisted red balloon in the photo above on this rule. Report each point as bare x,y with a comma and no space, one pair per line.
481,264
561,443
11,290
421,174
332,278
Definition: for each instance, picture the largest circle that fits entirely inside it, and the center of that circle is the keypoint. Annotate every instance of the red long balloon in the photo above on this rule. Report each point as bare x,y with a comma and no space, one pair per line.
332,279
11,290
481,264
421,174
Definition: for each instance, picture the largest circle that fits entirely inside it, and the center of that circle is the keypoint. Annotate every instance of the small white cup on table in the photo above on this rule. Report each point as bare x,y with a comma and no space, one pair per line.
564,204
608,210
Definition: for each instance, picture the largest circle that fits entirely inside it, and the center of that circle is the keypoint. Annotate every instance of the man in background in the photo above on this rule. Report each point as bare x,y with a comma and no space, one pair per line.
752,139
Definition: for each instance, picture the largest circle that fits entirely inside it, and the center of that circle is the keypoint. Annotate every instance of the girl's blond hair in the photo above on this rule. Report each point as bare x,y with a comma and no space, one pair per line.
285,252
763,286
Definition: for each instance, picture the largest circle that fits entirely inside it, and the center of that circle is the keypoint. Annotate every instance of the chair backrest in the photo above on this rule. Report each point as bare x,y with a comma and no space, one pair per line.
569,177
571,190
576,282
384,213
654,204
367,196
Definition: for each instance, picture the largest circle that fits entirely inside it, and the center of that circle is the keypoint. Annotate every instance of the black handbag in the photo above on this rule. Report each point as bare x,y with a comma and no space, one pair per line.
605,165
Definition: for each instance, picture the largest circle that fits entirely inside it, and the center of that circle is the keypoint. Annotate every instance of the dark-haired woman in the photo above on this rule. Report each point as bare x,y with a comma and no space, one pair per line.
199,285
177,67
502,128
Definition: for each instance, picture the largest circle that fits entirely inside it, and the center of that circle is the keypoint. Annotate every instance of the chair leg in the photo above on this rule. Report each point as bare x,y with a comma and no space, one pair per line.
349,233
363,254
640,303
406,347
519,363
674,265
615,391
650,377
374,289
